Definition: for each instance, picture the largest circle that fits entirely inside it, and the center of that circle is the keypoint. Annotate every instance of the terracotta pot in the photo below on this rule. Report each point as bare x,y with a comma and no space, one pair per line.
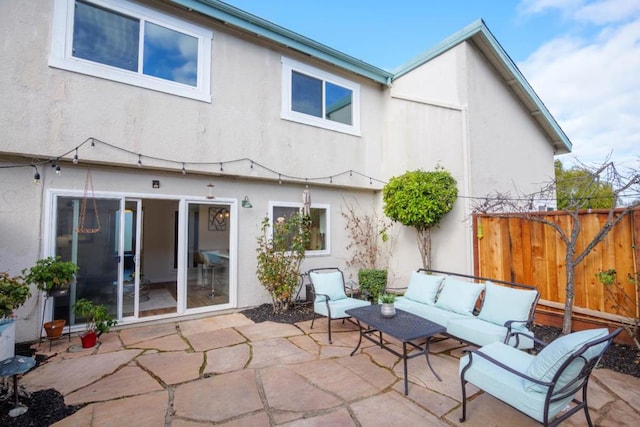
54,328
89,339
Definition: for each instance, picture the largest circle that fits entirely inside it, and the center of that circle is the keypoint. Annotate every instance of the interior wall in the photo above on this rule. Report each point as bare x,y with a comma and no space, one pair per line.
158,240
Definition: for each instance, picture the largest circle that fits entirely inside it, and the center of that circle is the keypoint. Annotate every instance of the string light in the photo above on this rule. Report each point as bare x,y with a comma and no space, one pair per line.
279,179
36,175
75,157
139,160
184,171
58,171
221,170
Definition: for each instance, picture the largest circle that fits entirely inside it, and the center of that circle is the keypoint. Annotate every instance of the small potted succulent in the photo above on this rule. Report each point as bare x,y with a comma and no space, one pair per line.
387,309
97,318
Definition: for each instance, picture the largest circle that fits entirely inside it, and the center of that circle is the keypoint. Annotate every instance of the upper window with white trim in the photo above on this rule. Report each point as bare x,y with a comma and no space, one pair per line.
129,43
315,97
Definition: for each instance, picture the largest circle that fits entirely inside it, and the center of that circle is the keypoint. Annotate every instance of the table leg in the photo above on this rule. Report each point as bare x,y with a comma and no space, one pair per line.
426,352
404,360
359,338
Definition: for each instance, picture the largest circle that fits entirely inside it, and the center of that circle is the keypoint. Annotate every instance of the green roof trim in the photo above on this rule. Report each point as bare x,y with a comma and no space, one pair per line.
263,28
476,32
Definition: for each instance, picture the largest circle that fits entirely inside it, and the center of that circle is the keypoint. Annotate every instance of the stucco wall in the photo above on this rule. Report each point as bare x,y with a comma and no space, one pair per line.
57,109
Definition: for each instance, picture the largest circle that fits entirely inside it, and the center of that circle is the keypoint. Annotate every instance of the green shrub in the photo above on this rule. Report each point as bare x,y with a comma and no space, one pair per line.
372,283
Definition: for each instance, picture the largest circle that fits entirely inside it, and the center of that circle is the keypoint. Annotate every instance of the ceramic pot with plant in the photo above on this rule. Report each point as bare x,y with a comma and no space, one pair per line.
14,292
51,275
97,318
387,308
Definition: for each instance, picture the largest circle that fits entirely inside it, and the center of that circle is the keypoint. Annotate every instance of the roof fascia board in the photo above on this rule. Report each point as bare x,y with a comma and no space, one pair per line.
479,29
263,28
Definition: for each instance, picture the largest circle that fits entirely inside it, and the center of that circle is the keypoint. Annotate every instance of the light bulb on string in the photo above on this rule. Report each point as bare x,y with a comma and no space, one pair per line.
279,179
75,157
139,160
221,170
58,171
184,171
36,175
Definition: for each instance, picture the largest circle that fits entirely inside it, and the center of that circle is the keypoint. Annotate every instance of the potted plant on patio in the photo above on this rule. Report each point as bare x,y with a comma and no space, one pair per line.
51,275
97,318
14,292
372,282
387,309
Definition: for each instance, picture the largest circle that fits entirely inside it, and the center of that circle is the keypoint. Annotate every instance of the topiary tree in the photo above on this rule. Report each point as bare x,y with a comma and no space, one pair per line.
281,250
420,199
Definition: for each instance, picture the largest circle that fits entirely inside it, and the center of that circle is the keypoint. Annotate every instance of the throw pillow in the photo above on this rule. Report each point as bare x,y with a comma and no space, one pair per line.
502,303
423,288
459,296
330,284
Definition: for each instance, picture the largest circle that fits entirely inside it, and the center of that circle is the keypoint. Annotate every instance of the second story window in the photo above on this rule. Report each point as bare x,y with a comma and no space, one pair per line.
317,98
123,41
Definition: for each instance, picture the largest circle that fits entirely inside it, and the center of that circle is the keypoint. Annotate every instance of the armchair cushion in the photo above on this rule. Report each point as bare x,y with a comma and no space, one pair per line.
330,284
545,365
502,303
459,296
423,288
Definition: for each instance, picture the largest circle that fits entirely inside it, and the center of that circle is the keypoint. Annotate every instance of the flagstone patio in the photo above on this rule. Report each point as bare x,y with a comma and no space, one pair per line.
230,371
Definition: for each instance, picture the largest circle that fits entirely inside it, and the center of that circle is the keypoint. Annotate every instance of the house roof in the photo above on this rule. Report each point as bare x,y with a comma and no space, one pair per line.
476,33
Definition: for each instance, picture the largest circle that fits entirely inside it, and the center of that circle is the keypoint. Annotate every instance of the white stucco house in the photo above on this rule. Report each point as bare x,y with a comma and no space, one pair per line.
152,126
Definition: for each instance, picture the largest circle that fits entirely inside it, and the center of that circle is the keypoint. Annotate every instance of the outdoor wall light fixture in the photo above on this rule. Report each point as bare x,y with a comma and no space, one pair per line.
155,183
210,188
246,203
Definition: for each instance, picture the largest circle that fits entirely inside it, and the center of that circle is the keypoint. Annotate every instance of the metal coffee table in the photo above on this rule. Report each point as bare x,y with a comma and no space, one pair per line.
405,327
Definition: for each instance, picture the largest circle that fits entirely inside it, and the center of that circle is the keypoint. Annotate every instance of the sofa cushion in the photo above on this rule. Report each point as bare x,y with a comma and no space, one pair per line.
423,287
481,332
504,385
459,296
429,312
502,303
545,365
330,284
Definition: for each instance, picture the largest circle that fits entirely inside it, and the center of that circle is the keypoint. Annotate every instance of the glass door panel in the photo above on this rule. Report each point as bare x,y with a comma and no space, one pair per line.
94,252
208,254
131,246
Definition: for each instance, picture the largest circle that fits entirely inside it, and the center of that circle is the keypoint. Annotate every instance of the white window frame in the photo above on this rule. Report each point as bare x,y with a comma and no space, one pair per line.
287,113
327,209
62,49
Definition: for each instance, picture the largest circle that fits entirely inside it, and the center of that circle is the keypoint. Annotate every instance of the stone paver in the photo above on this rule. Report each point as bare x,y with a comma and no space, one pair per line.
209,340
218,398
227,359
173,367
72,374
229,371
128,381
287,391
275,352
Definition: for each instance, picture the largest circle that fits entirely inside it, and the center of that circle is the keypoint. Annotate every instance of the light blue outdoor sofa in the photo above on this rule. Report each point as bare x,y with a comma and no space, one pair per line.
545,386
474,309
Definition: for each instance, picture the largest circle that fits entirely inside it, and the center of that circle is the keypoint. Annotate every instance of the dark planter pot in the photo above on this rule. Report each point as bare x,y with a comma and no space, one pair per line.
54,328
89,339
58,292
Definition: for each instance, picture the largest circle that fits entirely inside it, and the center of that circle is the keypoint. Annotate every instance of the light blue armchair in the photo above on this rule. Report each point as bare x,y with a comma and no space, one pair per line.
542,385
330,297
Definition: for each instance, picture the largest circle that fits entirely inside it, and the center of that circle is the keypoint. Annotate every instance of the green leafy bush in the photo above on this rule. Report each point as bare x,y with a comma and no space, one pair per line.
372,283
97,316
14,292
50,273
280,253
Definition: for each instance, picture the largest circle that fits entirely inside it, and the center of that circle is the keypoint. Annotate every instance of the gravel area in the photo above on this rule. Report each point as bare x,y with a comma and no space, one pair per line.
47,406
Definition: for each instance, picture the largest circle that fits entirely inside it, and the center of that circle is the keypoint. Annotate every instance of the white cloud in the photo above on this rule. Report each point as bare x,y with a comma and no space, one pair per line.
590,80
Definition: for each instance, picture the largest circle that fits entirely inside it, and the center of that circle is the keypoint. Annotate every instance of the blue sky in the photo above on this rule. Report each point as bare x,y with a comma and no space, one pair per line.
582,57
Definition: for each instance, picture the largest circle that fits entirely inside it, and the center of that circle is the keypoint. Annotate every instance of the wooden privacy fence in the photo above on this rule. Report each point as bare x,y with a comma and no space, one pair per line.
529,252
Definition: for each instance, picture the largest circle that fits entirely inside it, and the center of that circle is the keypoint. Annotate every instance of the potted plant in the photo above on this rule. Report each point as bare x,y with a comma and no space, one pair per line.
97,318
387,309
14,292
372,283
51,275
